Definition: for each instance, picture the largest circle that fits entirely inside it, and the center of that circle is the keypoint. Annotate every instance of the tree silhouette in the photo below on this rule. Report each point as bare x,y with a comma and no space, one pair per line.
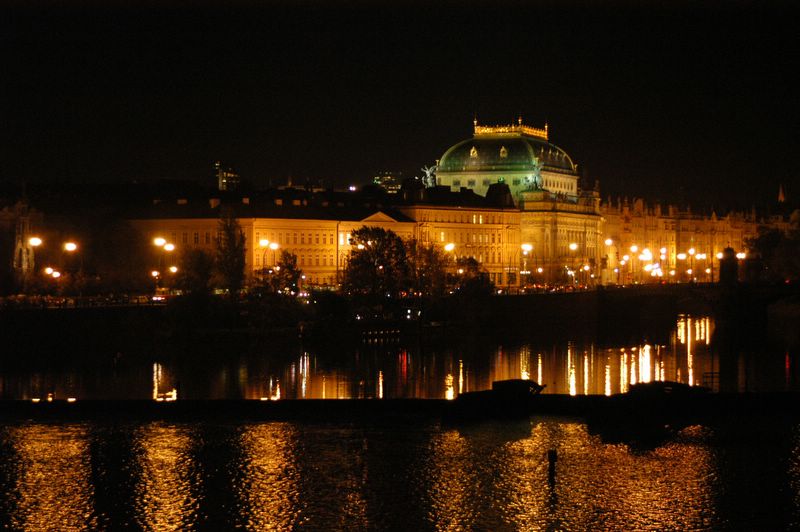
378,266
230,253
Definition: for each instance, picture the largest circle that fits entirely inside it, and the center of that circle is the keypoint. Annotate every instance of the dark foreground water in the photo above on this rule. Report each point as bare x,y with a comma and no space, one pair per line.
284,476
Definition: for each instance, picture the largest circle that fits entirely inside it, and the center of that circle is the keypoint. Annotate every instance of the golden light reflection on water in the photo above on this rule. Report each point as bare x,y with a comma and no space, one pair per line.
569,368
168,483
451,484
53,487
268,485
497,478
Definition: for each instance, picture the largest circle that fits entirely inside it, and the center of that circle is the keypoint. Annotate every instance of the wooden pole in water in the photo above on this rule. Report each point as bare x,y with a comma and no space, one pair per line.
552,458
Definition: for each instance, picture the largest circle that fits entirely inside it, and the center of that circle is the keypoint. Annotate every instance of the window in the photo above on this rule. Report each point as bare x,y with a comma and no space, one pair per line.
303,238
515,182
294,238
487,182
208,237
316,238
470,182
184,238
196,238
456,182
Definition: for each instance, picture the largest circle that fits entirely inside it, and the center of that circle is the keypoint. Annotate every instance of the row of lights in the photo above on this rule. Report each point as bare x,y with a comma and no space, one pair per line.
70,247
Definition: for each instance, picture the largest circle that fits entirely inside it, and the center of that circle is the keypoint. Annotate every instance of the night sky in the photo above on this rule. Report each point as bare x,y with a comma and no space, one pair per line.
676,104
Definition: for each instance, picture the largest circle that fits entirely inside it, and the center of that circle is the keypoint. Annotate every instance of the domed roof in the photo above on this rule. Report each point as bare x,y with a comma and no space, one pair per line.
506,149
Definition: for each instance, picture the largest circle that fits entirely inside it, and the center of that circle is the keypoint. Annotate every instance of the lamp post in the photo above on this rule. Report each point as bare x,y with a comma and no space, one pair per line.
634,250
571,271
526,249
165,247
450,248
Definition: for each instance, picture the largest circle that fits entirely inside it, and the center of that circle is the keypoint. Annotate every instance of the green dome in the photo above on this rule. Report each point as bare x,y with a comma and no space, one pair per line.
505,152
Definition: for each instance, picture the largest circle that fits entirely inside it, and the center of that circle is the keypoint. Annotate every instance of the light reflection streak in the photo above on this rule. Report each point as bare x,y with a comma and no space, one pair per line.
573,387
53,478
165,497
525,365
460,377
607,380
539,370
689,354
450,485
449,392
669,488
623,374
267,486
585,374
380,384
644,364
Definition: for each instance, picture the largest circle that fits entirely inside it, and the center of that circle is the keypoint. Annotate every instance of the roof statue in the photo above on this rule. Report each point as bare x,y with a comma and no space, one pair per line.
430,176
534,182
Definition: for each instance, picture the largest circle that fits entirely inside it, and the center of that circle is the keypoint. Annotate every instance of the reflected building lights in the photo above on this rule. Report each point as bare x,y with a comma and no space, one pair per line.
268,491
689,354
460,377
585,374
525,365
645,371
539,369
449,392
380,384
158,377
52,480
623,374
607,380
573,387
165,498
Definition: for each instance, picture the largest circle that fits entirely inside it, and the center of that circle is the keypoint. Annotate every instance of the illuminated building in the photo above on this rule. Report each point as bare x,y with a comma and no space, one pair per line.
507,197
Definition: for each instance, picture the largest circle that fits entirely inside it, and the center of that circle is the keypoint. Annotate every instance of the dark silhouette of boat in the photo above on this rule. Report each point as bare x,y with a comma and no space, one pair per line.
508,399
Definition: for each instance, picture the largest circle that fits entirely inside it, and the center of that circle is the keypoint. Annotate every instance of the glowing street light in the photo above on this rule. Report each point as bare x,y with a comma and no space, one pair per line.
49,270
449,247
154,273
634,248
609,241
70,246
169,247
159,241
56,275
35,241
173,269
573,246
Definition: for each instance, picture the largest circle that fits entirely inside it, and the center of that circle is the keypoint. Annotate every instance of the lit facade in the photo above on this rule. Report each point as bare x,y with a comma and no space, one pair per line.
507,197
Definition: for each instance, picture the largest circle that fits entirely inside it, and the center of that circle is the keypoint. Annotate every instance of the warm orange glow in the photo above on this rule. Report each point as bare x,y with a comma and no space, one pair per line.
169,247
159,241
70,246
35,241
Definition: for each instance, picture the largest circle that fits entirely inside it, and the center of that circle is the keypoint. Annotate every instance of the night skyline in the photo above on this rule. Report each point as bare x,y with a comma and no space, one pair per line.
670,104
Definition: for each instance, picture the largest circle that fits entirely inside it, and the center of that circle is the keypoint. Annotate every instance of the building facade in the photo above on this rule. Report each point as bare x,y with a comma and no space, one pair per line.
507,197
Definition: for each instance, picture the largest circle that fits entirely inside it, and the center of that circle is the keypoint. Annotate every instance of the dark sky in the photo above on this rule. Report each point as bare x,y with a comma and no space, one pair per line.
667,103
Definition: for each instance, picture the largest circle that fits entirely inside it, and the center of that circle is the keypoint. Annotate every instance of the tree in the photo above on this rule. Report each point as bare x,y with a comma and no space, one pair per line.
378,266
779,253
471,279
230,253
428,268
195,271
285,276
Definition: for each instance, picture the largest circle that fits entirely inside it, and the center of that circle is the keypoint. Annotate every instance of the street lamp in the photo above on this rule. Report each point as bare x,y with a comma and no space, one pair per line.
571,270
35,241
526,249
